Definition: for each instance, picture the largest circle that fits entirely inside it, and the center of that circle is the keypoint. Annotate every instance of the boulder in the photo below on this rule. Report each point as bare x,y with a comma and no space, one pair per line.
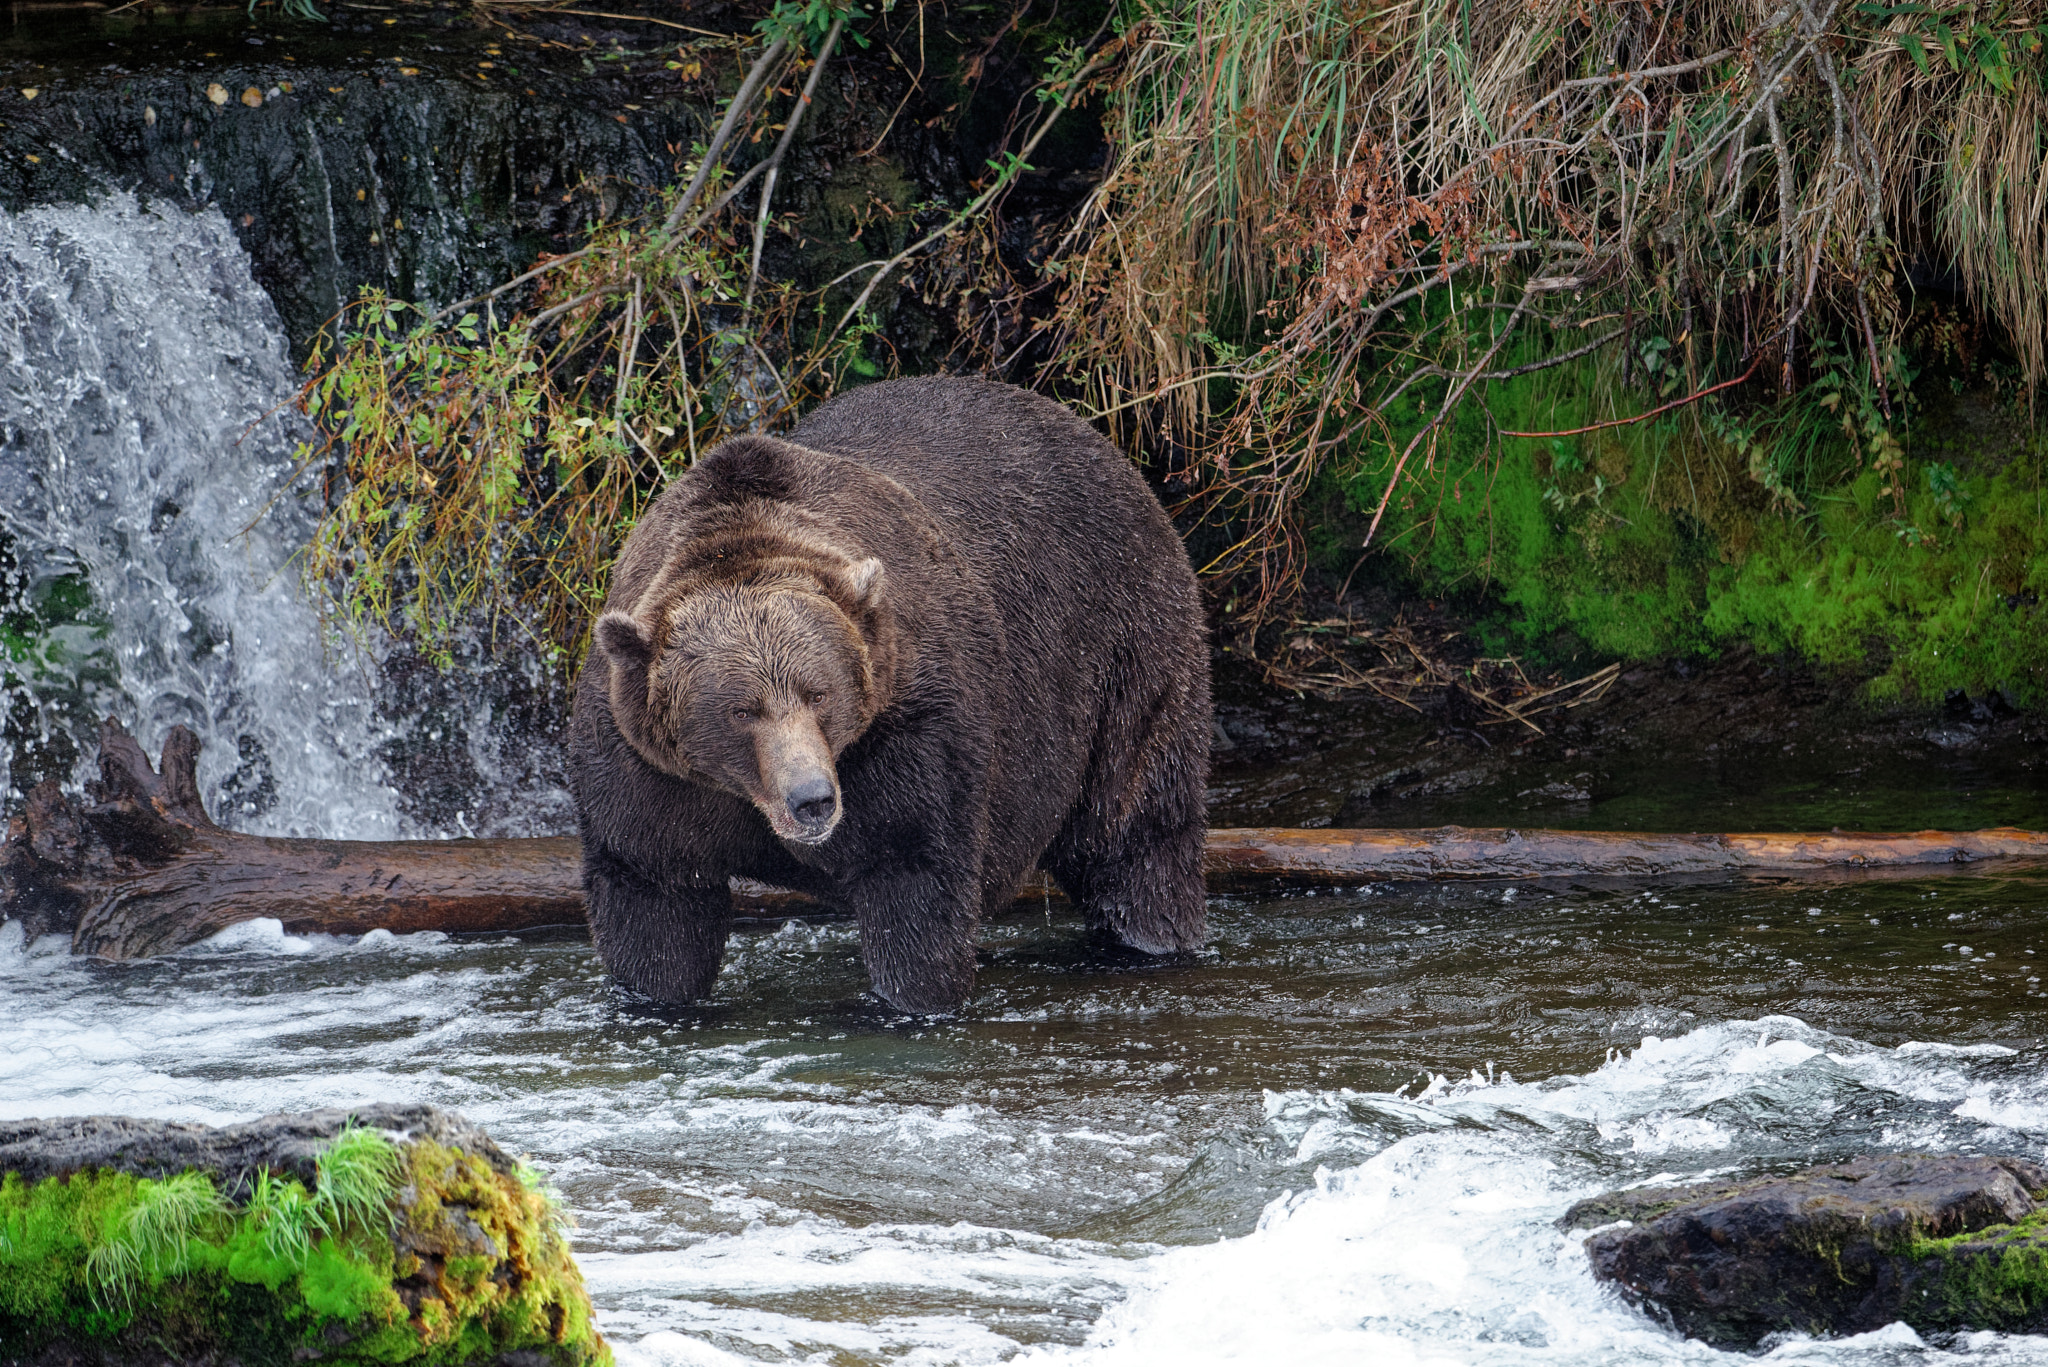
376,1234
1942,1242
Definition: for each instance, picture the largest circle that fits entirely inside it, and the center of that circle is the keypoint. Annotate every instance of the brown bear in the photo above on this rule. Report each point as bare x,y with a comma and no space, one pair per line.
941,634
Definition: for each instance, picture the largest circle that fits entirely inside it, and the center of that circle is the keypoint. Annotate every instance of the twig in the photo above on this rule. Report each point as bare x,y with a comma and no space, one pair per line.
741,99
638,19
1645,417
796,118
543,268
629,351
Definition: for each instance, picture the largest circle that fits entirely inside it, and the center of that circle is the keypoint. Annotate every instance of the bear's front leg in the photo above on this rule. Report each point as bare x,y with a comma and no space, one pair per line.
664,940
917,926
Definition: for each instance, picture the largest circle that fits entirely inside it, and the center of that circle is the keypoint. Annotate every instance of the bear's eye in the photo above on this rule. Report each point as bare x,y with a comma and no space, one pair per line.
743,714
816,698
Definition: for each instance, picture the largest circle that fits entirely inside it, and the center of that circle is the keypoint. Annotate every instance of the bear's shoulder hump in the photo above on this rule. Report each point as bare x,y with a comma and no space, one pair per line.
749,467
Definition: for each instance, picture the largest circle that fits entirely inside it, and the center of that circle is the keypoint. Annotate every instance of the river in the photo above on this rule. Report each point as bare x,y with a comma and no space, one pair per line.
1340,1134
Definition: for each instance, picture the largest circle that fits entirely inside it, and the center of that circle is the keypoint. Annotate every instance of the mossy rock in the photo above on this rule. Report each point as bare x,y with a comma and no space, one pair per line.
1942,1242
382,1235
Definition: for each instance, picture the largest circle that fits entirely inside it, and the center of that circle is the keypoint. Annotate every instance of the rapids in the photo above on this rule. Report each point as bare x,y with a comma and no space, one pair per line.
1339,1135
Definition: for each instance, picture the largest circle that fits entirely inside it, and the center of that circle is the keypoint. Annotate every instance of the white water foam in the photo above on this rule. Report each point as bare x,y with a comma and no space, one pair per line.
720,1184
1443,1247
140,446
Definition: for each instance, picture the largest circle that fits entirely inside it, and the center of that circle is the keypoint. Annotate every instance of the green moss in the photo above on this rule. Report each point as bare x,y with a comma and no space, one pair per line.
1700,529
1995,1277
414,1254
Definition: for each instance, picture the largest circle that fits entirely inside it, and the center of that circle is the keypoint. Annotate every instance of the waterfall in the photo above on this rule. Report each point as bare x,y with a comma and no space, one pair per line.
147,498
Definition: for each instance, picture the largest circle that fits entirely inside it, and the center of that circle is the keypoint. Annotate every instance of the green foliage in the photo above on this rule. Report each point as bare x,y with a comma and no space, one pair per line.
1980,42
1808,526
808,21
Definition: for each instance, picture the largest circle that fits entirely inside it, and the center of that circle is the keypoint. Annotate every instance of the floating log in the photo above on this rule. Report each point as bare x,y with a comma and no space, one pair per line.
138,868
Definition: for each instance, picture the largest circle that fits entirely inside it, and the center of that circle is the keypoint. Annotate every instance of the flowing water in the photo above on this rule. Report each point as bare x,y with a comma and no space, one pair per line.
1341,1133
151,509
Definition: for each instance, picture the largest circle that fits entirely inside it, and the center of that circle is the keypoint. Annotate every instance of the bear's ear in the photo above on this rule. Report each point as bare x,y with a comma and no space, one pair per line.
865,579
623,642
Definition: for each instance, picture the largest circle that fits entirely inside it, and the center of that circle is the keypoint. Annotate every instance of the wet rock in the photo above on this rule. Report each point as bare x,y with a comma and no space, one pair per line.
230,1154
1940,1242
377,1234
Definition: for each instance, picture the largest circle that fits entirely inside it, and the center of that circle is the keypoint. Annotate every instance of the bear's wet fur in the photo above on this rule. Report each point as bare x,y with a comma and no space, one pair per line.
940,635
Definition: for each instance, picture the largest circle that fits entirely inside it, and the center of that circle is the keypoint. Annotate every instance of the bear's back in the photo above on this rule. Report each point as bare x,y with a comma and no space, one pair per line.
1051,517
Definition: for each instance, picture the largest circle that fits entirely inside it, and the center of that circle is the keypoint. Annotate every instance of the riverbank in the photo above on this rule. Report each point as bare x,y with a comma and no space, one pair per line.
1740,741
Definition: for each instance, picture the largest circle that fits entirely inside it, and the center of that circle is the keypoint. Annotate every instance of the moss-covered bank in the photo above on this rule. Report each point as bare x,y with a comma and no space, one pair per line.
401,1251
1912,553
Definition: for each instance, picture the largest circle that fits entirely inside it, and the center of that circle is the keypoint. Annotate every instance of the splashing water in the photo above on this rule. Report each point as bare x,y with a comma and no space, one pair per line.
1229,1160
141,457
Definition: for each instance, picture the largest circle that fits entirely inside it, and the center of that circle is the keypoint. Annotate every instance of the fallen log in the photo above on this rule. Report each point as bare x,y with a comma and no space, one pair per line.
137,867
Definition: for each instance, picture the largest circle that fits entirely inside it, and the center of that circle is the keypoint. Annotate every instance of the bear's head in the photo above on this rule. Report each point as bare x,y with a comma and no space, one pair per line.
754,685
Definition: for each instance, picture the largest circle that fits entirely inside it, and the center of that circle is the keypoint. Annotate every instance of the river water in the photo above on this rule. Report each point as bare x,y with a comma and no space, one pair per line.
1339,1134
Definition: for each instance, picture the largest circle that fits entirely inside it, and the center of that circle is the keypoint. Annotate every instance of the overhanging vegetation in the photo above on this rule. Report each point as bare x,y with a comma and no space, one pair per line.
1652,323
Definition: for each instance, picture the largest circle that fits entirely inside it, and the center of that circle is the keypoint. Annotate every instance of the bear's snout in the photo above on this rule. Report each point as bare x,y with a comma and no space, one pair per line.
797,791
813,804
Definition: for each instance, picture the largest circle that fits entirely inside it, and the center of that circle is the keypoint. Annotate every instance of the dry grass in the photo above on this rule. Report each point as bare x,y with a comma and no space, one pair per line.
1326,223
1332,656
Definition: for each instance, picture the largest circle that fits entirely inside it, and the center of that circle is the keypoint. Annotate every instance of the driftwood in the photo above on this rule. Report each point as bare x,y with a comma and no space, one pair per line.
138,868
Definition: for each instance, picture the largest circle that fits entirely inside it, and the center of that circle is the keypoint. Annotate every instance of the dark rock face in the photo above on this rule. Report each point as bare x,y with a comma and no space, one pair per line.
286,1144
1941,1242
433,159
434,153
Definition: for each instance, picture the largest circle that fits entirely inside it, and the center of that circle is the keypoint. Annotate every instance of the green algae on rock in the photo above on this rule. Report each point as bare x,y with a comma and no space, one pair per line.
386,1235
1944,1242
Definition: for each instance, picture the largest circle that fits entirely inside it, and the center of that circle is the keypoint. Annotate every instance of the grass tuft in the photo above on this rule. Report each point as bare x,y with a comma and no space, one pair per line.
358,1181
285,1215
155,1238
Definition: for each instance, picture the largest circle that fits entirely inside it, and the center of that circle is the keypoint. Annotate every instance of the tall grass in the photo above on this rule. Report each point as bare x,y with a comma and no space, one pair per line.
1316,211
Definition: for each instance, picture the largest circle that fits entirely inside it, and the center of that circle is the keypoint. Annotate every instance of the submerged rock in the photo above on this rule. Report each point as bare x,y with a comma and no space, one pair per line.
383,1234
1940,1242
